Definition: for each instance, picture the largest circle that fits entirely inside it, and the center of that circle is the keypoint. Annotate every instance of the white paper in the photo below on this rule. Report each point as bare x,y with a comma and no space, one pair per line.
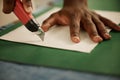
58,37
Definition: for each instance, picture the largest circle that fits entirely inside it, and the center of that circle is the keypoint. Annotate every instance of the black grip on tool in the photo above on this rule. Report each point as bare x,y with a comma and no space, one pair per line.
32,25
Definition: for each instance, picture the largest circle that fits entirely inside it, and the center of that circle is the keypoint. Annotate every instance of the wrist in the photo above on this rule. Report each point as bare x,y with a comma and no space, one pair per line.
74,3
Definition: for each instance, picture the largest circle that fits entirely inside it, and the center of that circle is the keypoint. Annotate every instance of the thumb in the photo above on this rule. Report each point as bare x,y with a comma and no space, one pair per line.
27,4
8,6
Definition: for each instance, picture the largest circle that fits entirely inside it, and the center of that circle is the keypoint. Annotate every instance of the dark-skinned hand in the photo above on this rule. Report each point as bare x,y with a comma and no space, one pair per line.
77,16
8,6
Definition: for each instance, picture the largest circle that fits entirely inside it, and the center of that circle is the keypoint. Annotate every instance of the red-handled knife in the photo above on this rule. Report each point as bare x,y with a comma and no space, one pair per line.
28,20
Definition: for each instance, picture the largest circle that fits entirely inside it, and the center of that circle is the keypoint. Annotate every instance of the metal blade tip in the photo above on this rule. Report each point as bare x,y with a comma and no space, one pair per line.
41,35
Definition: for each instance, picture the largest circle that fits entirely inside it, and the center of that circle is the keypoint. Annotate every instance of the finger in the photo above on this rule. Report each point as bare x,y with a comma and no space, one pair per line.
101,28
109,23
49,22
75,30
89,26
8,6
27,4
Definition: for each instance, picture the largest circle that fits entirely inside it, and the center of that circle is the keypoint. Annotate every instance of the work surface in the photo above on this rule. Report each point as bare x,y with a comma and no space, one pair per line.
103,59
58,36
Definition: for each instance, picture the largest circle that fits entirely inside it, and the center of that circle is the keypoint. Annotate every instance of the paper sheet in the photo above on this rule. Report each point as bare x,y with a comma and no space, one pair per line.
58,37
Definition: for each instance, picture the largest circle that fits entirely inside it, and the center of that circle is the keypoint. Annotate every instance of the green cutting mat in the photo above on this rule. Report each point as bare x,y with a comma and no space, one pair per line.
104,59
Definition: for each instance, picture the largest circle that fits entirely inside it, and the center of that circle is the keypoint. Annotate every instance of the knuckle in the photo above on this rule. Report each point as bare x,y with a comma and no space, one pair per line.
94,33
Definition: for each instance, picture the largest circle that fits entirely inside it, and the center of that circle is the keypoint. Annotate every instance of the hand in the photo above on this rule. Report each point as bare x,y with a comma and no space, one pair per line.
8,6
76,15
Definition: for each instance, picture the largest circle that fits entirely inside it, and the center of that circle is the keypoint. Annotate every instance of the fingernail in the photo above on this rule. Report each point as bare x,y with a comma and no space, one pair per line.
6,11
45,27
76,39
97,39
107,36
28,9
